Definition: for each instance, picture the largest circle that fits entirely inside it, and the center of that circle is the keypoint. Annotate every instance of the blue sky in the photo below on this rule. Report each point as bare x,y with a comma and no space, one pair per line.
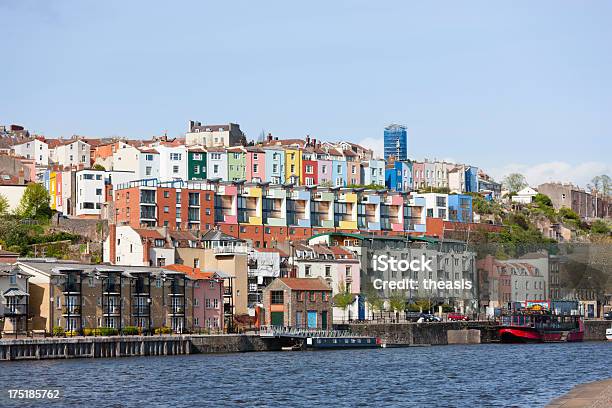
521,85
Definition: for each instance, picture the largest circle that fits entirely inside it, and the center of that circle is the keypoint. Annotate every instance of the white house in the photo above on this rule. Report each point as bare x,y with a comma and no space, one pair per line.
373,172
71,153
89,193
525,196
33,149
436,205
216,163
172,162
144,162
138,247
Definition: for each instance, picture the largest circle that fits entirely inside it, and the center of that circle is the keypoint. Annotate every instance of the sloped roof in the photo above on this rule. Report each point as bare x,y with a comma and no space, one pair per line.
306,284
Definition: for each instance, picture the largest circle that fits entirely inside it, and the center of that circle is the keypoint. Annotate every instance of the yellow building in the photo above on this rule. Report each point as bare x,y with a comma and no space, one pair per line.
293,165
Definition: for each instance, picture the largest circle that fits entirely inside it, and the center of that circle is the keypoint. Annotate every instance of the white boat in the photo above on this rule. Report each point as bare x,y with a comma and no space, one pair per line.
609,334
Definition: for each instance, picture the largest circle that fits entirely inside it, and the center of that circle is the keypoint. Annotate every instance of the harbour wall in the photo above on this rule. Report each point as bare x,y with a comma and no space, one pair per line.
439,333
131,346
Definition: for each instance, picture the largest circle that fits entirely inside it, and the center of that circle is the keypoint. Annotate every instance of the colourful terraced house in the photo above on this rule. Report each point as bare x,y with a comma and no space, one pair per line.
236,163
275,164
293,165
196,163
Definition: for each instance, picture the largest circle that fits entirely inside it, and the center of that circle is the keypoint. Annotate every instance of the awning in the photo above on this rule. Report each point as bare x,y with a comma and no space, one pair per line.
15,292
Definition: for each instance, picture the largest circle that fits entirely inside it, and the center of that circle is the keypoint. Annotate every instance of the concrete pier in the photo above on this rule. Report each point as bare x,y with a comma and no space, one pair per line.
592,395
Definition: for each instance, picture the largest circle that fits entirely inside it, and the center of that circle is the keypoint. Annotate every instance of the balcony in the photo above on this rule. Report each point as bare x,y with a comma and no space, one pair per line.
111,289
71,310
177,311
71,288
15,310
231,249
111,310
141,311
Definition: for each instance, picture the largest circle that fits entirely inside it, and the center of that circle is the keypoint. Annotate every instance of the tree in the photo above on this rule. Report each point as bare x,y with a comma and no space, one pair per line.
602,184
98,166
397,302
344,298
35,202
373,299
4,205
514,182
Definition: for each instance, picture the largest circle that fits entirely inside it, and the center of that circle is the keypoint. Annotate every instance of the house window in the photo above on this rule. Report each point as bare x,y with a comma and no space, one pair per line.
175,169
175,156
328,271
13,279
166,209
307,270
255,168
208,303
312,296
147,171
277,297
166,194
148,157
196,169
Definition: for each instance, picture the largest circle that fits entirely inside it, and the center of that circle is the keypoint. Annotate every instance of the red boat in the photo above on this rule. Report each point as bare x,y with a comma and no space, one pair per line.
529,325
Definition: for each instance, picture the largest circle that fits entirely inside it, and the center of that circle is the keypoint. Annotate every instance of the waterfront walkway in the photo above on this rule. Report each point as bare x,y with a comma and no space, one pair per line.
593,395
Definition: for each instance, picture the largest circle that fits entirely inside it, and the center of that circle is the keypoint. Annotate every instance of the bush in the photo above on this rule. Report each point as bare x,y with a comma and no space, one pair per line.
107,331
163,330
130,331
58,331
72,333
87,331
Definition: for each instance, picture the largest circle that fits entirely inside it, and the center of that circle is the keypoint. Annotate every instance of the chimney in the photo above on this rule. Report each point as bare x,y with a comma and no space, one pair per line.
112,240
307,140
146,244
276,138
269,137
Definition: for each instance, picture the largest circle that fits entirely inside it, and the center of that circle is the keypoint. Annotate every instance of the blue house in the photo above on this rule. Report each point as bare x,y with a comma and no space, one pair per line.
399,177
460,208
339,173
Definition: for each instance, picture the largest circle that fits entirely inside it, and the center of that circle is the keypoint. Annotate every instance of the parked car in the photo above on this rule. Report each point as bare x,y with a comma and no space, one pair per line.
608,315
426,317
457,317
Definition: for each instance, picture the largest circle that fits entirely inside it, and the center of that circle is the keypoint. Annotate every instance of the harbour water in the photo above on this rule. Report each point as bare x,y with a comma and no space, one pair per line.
488,375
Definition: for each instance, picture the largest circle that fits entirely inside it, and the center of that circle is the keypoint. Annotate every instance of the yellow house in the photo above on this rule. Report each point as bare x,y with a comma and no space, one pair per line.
52,189
293,165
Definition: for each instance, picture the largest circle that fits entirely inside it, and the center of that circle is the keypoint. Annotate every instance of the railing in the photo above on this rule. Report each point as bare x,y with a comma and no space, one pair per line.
73,310
280,331
231,250
14,309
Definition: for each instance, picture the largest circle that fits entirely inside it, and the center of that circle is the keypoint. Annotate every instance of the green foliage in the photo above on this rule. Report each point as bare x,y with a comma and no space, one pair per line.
163,330
344,298
420,305
58,331
130,330
4,205
568,214
106,331
367,186
34,203
397,301
439,190
600,227
98,166
373,299
542,200
18,237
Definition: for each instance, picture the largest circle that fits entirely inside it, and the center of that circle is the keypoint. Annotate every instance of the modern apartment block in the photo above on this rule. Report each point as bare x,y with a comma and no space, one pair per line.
78,296
396,142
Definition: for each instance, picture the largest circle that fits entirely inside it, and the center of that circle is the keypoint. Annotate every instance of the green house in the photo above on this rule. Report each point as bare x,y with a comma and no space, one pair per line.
196,164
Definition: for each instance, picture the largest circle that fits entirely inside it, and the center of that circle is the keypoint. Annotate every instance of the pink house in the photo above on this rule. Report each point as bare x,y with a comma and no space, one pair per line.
255,164
418,175
207,298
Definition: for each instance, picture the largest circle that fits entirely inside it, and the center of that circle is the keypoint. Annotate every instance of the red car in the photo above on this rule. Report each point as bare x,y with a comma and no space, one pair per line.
457,316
